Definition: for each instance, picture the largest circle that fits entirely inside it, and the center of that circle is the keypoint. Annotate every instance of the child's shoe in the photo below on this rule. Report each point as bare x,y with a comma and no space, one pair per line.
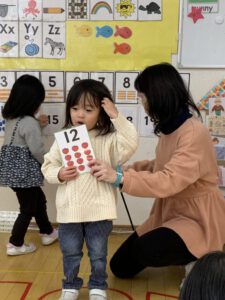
69,294
97,294
48,239
24,249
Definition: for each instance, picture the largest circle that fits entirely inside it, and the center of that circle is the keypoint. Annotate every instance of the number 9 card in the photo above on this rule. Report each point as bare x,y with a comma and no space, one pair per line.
75,147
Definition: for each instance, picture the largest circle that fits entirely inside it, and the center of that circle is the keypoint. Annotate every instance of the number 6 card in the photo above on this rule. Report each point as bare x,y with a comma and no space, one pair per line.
75,147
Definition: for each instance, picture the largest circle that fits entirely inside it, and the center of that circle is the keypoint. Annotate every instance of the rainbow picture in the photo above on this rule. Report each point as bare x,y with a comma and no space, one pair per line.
99,5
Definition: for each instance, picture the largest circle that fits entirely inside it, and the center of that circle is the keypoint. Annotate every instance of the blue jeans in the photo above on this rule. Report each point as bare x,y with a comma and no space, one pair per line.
71,240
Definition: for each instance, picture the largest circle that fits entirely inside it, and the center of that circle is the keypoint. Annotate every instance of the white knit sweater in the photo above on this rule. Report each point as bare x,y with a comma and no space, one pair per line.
85,199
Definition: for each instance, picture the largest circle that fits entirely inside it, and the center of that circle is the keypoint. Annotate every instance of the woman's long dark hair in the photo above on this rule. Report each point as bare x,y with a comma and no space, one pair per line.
206,281
25,98
166,94
92,91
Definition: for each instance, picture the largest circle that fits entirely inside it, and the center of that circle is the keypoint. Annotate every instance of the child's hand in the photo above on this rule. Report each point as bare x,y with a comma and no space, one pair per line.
110,108
43,120
67,173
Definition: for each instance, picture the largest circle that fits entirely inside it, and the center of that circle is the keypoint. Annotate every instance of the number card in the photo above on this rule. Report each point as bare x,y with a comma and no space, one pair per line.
75,147
33,73
54,86
7,80
56,117
125,91
145,127
72,77
105,77
129,112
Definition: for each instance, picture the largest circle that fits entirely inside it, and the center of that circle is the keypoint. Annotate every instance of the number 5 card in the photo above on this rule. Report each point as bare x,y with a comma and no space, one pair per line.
75,147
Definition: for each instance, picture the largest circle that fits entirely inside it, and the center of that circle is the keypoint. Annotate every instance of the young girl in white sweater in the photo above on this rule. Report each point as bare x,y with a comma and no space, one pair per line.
85,206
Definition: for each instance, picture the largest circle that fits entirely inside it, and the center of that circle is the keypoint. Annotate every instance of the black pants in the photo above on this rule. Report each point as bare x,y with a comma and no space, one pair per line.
32,204
158,248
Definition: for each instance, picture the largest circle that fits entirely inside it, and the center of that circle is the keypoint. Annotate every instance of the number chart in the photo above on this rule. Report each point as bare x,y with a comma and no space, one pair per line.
75,148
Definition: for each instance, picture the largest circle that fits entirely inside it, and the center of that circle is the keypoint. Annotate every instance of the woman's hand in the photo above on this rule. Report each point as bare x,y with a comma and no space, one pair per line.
110,108
102,171
67,173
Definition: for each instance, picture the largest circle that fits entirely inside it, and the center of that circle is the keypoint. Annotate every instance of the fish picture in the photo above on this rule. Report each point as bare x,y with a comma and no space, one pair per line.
124,32
105,31
84,30
123,48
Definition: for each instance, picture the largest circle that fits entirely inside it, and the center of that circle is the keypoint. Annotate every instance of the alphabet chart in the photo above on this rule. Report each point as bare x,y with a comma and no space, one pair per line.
33,29
75,147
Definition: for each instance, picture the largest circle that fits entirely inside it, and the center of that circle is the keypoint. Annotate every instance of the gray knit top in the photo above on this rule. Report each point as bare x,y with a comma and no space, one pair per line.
28,134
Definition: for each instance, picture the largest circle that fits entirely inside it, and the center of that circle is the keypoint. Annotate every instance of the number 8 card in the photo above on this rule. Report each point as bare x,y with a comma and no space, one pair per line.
75,147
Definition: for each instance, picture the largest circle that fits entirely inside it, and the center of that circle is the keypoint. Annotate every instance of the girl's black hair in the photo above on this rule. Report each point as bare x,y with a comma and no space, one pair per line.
26,96
206,281
166,94
92,91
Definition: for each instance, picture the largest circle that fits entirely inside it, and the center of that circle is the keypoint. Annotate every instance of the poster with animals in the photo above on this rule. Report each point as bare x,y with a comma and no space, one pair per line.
110,34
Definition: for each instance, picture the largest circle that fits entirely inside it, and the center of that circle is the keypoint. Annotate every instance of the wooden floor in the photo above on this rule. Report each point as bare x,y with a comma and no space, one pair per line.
38,275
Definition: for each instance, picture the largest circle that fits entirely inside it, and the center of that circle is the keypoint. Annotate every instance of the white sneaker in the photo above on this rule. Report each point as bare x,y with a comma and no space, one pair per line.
97,294
188,269
48,239
69,294
24,249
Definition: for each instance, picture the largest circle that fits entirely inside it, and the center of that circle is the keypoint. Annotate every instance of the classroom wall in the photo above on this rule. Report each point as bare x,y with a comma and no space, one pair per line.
201,81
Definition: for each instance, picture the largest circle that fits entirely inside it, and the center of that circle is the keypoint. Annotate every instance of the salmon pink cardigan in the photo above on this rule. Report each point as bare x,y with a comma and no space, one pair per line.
184,180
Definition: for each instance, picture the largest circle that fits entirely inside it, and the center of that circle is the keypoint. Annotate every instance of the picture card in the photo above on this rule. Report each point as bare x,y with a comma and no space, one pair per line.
75,147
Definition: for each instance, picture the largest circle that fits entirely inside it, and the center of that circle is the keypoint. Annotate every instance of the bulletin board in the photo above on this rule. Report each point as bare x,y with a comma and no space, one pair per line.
63,41
201,34
152,41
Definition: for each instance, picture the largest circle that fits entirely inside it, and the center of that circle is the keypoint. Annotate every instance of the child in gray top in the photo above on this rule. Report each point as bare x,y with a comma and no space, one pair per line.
23,103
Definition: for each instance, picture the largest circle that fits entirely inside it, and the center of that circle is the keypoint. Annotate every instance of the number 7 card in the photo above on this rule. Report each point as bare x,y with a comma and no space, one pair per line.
75,147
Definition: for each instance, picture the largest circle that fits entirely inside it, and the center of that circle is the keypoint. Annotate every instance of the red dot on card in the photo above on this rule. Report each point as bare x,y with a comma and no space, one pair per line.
68,157
84,145
75,148
89,157
80,160
70,163
87,152
77,155
81,168
65,150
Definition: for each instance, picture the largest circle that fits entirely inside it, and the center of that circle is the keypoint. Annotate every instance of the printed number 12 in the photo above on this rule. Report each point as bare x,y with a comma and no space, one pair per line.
74,138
